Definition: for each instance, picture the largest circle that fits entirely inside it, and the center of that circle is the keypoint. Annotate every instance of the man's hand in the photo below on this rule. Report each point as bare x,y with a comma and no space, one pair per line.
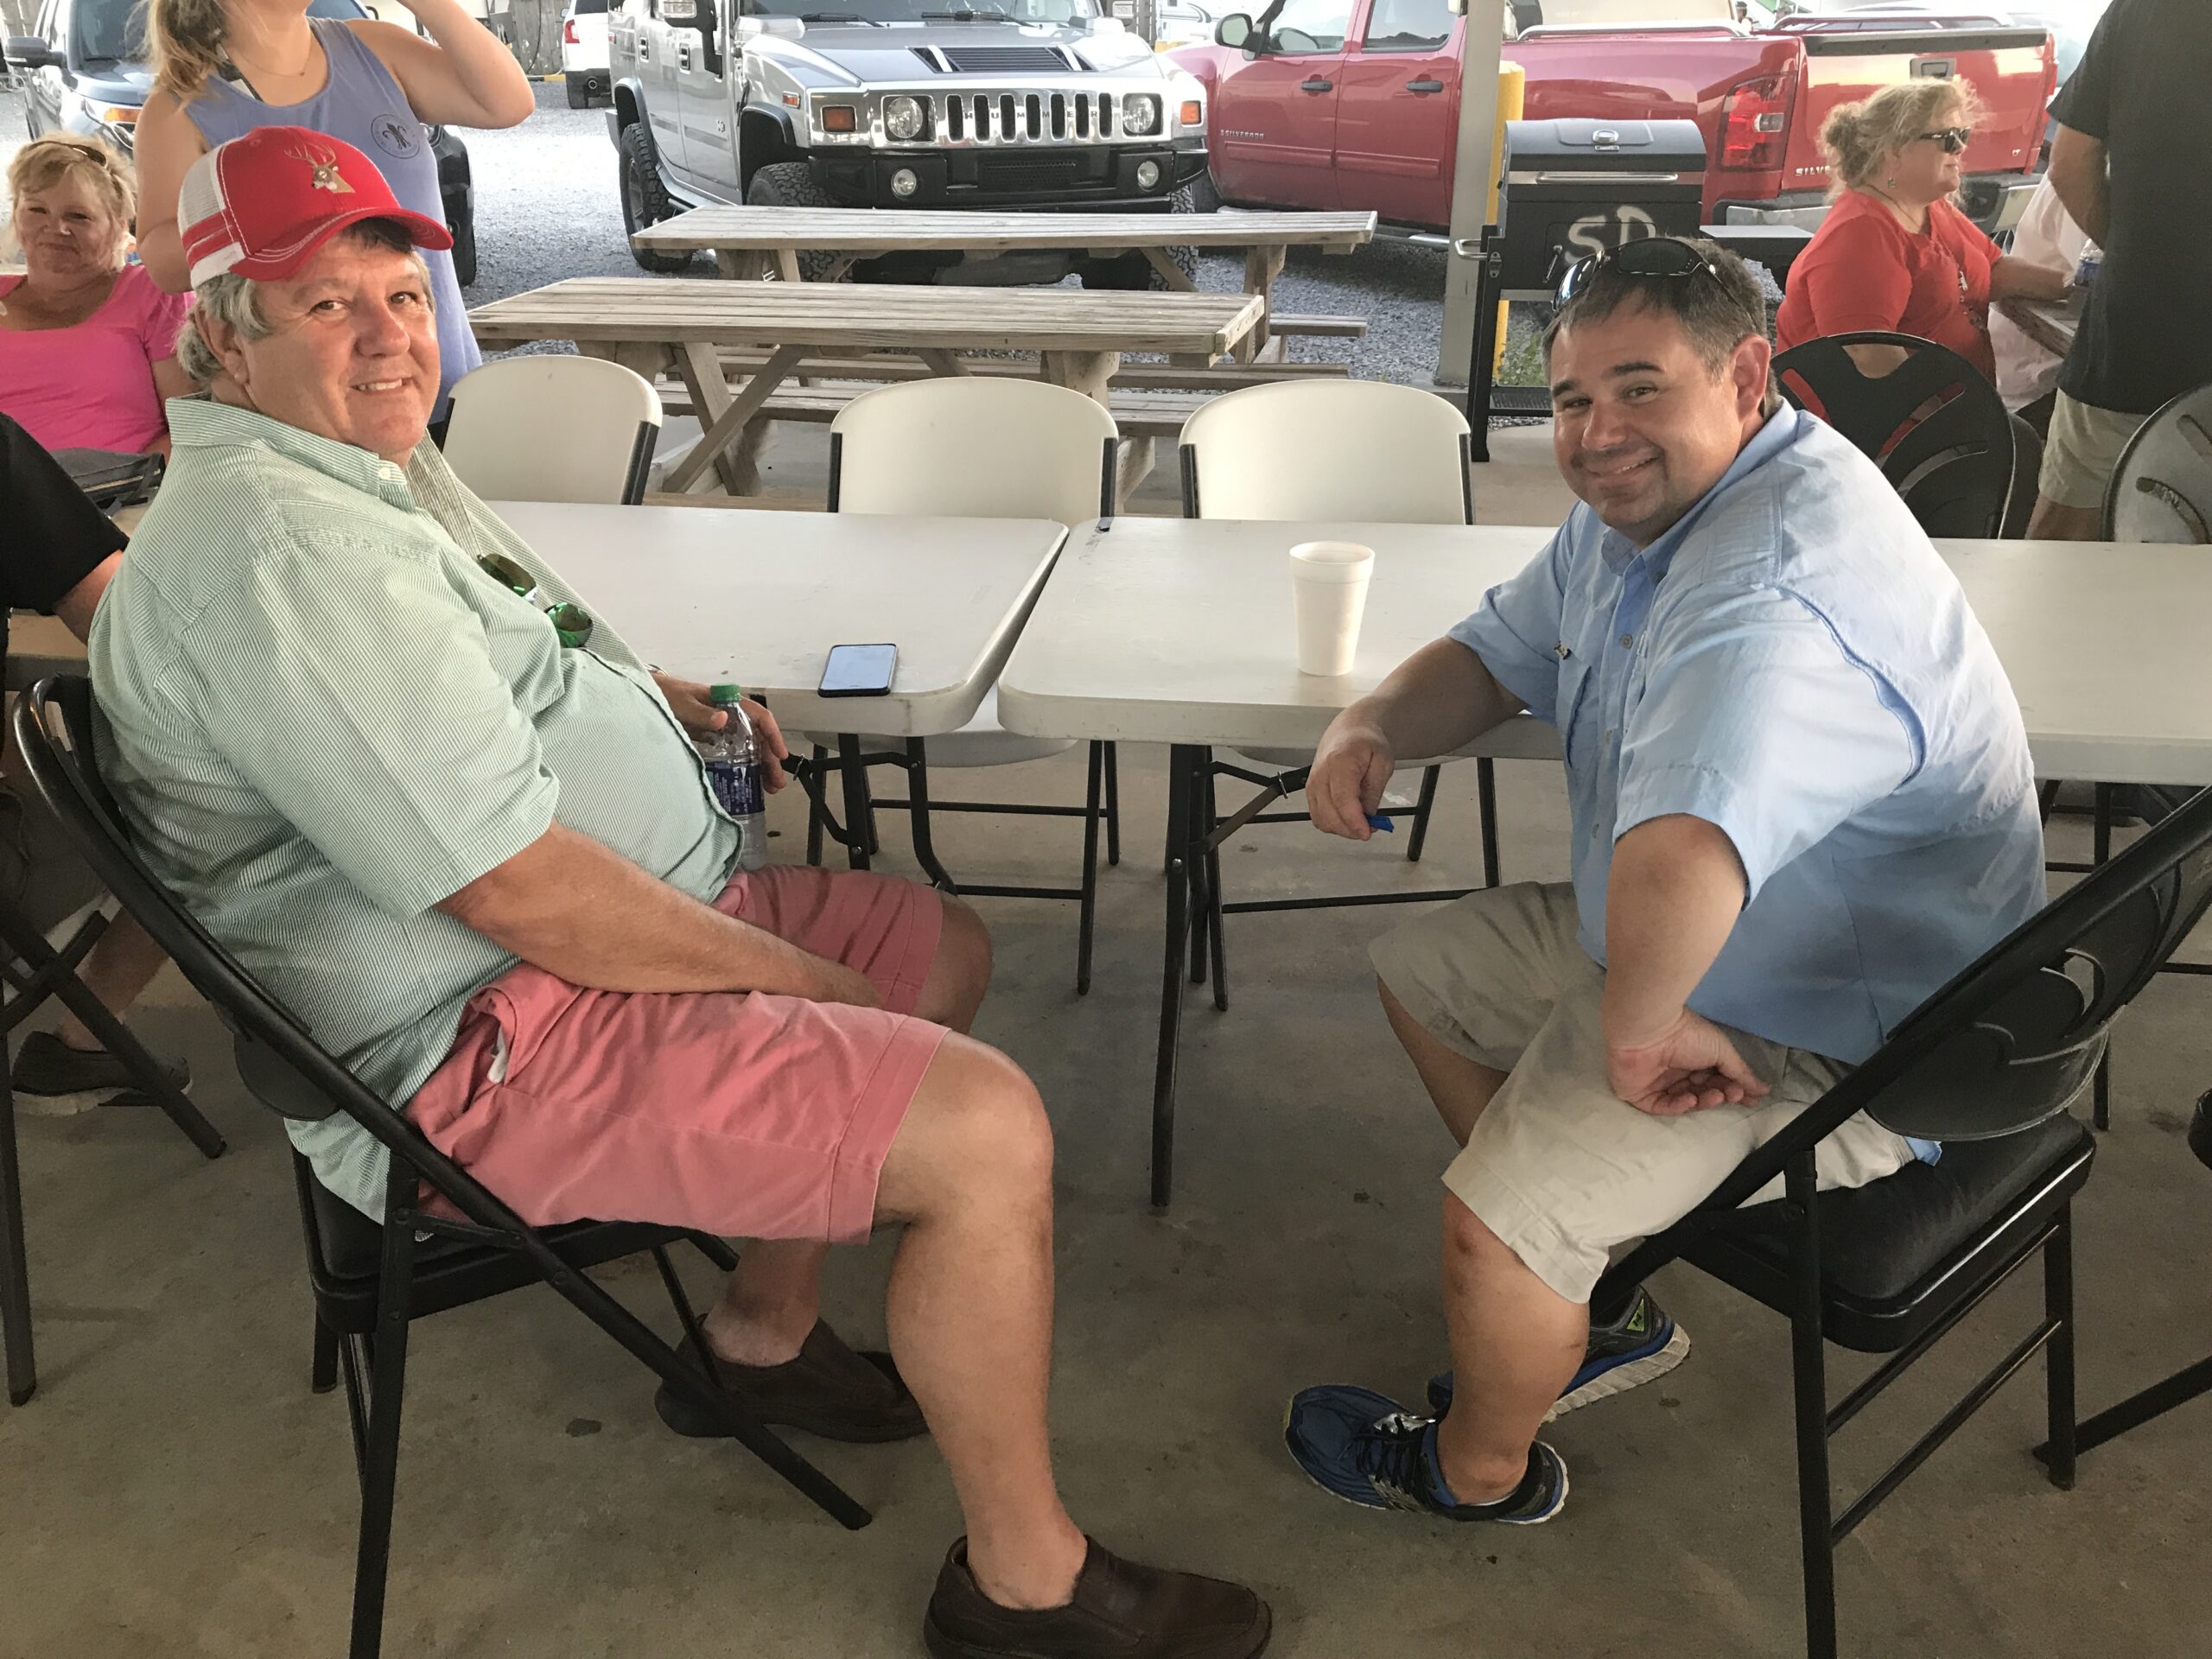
1349,770
1686,1066
689,701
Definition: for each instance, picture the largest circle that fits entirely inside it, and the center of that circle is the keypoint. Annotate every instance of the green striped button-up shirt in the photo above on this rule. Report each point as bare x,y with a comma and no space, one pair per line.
325,719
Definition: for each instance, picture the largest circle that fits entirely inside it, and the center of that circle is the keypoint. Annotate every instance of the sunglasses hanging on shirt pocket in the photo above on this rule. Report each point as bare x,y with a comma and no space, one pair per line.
570,622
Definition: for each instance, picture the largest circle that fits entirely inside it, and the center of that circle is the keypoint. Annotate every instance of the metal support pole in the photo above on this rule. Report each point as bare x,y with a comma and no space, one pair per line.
1475,170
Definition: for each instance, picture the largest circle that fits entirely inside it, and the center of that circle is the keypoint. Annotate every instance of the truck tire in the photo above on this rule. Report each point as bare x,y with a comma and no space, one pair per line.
793,184
1135,271
1206,198
464,250
579,89
644,200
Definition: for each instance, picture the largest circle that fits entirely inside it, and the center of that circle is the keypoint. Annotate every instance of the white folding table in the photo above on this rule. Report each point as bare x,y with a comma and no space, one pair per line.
757,598
1180,632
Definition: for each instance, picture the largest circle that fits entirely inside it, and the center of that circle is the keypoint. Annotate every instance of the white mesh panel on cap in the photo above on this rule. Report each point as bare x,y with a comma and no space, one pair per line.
201,208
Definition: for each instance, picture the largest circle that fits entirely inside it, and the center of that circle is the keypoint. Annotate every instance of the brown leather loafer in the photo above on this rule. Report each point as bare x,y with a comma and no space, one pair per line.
828,1390
1120,1610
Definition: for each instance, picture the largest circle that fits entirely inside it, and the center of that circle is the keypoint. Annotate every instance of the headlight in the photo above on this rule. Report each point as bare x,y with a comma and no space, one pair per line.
113,115
904,118
1140,115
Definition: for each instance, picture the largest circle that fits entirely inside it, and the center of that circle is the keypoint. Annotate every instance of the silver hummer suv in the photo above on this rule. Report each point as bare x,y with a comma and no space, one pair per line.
982,104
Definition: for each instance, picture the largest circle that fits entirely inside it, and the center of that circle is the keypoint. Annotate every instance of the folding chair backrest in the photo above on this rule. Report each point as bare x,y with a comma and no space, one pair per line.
554,428
1362,450
1953,466
914,448
2162,489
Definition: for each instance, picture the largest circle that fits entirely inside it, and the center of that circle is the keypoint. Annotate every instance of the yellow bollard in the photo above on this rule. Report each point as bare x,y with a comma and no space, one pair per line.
1512,93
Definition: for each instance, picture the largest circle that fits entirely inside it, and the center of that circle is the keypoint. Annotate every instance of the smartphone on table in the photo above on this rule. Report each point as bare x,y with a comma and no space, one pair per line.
858,672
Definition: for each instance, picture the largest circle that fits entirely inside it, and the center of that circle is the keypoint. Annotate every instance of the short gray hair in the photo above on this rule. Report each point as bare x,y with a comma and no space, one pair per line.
235,301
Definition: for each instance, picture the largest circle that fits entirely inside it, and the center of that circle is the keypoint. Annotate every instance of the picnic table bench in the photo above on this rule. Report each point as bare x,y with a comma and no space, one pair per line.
753,243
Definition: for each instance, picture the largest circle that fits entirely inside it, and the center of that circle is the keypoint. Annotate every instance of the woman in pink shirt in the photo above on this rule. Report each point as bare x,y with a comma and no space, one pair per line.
87,342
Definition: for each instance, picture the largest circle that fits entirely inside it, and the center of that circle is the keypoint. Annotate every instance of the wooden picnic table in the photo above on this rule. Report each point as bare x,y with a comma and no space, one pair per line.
753,243
654,324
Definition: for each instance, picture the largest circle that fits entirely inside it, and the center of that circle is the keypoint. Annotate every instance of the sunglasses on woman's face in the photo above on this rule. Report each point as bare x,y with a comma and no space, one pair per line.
1954,139
1651,256
569,621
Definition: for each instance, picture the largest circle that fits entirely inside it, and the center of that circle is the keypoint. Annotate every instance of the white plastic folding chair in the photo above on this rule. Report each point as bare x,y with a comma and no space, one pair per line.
1352,451
913,449
554,428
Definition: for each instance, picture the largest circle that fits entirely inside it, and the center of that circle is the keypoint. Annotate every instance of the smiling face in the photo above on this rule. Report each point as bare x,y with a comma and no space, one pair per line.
352,350
69,233
1923,170
1643,426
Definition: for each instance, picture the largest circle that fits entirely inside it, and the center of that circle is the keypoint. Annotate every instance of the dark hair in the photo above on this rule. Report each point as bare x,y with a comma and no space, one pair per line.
1718,316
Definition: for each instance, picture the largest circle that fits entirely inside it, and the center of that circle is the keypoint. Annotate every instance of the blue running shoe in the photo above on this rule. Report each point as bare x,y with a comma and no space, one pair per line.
1358,1446
1640,1346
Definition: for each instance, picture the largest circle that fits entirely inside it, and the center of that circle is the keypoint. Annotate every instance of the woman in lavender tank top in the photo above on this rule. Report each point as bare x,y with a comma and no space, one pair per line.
223,68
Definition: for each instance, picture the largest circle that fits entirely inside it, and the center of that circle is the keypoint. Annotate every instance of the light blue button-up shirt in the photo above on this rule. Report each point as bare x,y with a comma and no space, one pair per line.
1794,663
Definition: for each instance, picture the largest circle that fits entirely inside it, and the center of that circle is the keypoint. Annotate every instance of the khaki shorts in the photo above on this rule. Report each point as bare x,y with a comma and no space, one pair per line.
1558,1167
41,874
2082,452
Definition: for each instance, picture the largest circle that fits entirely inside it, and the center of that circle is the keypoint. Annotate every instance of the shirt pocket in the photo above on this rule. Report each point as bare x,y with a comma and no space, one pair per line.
1577,680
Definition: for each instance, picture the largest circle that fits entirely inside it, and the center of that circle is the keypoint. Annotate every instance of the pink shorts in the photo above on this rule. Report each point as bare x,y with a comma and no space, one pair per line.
736,1113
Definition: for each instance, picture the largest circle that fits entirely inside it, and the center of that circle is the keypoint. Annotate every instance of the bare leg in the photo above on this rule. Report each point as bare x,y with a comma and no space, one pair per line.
774,1298
1515,1343
122,963
2052,522
1460,1087
970,1310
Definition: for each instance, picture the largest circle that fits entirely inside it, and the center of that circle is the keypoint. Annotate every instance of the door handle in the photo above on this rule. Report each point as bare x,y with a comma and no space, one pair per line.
1316,85
1934,68
1422,88
684,57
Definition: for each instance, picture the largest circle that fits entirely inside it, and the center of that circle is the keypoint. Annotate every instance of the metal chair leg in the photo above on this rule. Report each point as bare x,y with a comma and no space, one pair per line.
145,1070
14,1262
1213,897
1486,800
1200,825
1808,1367
1422,808
387,1388
1113,805
2101,836
2058,1354
715,1251
1088,909
322,1368
814,811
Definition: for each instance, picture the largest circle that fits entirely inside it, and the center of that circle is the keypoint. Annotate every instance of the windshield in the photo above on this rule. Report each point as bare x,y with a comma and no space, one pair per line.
915,11
113,31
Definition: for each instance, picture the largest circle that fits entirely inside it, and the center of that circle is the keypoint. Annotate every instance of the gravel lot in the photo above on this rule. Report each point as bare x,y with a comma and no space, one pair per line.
546,209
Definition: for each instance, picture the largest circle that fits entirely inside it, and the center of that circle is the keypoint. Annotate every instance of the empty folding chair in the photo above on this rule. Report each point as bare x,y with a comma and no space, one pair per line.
1951,463
912,449
1988,1066
2162,489
554,428
1352,451
370,1279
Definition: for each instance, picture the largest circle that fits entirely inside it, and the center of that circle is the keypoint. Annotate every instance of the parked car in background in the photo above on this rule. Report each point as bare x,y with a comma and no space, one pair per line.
583,53
84,71
1355,104
1187,22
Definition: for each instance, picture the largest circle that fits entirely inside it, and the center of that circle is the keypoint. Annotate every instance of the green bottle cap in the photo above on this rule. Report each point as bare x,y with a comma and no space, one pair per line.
724,694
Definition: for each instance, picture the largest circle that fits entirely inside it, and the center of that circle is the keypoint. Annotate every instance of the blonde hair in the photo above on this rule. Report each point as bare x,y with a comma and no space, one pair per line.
188,40
44,162
1859,138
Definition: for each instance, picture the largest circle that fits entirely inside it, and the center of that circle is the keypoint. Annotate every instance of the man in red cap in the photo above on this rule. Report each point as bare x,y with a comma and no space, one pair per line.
484,868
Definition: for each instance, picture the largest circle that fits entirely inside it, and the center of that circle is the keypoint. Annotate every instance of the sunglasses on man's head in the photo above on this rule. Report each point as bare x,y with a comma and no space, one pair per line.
1651,256
1954,139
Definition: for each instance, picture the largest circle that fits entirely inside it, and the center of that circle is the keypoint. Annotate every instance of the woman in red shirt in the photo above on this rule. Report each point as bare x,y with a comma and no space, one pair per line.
1895,253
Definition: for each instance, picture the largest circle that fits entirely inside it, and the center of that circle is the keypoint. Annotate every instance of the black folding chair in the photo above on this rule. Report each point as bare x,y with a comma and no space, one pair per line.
2161,491
31,971
1988,1065
1952,465
370,1281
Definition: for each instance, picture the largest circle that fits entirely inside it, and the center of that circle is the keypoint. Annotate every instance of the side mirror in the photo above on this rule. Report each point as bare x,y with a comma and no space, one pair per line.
1234,31
29,52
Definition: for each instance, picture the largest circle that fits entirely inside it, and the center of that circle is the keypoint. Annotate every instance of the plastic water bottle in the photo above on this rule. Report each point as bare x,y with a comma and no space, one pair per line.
733,760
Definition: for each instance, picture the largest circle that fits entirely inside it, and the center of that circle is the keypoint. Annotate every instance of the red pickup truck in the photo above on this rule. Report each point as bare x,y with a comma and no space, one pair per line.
1355,104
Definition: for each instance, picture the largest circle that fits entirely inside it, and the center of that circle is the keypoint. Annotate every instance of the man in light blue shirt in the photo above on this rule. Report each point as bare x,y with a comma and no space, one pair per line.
1801,801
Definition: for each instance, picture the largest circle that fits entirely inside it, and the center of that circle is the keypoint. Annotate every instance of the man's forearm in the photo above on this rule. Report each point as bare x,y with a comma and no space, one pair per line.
1675,890
1438,700
570,905
2081,180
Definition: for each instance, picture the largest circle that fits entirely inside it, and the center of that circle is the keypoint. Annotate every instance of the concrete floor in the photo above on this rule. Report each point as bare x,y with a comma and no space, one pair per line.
175,1490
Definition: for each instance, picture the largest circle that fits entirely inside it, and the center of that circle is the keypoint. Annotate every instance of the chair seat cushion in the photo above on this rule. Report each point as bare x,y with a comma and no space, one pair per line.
1884,1241
981,742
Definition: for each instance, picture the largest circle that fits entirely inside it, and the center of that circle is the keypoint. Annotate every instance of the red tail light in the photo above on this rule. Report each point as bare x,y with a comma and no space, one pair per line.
1751,121
569,31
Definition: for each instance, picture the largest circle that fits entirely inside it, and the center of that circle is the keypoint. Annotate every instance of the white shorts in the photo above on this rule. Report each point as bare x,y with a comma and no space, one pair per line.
1560,1167
2082,452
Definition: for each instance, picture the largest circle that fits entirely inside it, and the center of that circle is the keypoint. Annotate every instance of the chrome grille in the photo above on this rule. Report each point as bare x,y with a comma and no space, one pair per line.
1025,118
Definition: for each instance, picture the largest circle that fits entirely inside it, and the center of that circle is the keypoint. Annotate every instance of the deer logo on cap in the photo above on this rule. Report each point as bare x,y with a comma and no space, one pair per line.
324,160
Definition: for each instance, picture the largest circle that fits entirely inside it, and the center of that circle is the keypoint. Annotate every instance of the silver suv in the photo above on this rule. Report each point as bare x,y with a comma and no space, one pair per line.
984,104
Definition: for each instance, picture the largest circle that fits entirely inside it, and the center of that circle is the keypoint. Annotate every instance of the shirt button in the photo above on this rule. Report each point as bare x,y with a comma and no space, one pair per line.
1627,640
